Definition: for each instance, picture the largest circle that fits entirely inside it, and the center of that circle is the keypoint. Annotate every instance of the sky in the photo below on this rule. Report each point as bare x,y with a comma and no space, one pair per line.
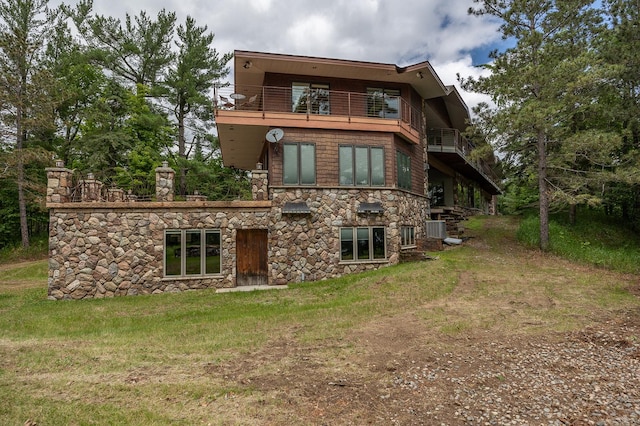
401,32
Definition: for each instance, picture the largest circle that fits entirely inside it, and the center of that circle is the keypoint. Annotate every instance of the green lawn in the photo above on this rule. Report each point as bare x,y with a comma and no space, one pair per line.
192,358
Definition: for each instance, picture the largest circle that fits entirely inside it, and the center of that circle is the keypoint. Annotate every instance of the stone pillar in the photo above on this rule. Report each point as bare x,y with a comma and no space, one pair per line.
90,189
115,195
59,183
165,176
196,197
259,184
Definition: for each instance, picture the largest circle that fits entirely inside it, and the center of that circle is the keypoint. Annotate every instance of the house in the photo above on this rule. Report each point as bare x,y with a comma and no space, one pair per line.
343,155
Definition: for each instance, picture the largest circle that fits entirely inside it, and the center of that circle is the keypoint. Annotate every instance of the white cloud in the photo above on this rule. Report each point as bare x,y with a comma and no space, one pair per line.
449,69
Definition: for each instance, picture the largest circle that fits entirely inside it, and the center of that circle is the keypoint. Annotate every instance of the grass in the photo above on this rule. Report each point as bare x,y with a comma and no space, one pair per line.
595,239
196,357
74,362
14,254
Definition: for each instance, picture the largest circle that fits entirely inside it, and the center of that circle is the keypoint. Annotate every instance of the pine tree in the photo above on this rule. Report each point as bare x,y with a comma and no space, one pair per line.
190,81
536,83
26,105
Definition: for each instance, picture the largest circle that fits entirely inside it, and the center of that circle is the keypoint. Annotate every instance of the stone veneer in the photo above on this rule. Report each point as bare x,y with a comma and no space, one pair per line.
307,246
117,249
106,249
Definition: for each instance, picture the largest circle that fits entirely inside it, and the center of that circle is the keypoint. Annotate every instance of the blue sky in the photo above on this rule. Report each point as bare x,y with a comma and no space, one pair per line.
391,31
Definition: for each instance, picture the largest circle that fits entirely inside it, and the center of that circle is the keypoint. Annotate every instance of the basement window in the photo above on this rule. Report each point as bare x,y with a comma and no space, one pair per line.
362,244
192,252
407,237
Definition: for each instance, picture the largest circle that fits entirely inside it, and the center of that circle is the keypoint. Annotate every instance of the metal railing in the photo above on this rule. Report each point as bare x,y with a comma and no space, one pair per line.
319,102
452,140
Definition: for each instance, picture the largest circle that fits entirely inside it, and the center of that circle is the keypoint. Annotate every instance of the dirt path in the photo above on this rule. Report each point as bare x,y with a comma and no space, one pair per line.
491,353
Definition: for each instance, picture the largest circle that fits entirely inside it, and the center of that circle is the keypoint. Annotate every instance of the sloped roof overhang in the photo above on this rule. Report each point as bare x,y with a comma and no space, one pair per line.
250,68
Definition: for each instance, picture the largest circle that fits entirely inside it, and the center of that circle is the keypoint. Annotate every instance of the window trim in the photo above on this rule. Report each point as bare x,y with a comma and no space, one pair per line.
369,165
407,236
183,249
354,241
299,163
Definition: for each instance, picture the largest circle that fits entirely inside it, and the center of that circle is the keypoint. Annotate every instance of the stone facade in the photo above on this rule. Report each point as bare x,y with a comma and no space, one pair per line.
115,247
307,247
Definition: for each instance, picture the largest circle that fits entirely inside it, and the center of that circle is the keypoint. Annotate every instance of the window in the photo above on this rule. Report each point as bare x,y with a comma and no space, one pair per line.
311,98
191,252
383,103
299,164
362,244
404,170
361,165
407,236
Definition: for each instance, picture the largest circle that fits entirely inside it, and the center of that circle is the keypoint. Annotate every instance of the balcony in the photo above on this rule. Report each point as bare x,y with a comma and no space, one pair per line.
245,113
454,150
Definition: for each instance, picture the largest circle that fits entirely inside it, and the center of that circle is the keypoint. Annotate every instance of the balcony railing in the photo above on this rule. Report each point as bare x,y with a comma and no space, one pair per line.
319,102
451,141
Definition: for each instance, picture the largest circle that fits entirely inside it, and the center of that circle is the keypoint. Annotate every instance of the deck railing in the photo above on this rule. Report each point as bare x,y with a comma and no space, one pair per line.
320,102
451,140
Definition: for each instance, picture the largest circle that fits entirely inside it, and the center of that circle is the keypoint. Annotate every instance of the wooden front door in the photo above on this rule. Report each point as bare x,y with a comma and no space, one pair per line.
251,254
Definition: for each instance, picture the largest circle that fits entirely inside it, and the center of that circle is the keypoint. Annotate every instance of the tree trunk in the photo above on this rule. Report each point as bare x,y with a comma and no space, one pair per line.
543,190
181,151
572,213
20,139
22,202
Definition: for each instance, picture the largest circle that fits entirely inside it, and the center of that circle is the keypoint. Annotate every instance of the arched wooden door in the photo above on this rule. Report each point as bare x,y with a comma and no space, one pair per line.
251,254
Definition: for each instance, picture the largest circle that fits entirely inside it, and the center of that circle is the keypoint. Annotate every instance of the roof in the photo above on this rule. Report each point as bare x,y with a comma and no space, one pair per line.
250,68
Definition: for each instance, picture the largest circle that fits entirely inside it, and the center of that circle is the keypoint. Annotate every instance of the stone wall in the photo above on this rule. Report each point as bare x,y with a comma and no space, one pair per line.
307,247
105,248
118,249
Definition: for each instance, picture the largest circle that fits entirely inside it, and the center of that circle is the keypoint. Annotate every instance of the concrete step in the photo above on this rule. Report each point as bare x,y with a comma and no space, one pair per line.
251,288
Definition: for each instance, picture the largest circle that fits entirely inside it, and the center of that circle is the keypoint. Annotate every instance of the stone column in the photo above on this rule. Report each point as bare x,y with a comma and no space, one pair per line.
59,183
260,184
196,197
90,189
115,195
165,176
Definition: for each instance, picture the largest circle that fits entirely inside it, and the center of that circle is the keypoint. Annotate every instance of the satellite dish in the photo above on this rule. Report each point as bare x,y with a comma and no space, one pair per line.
275,135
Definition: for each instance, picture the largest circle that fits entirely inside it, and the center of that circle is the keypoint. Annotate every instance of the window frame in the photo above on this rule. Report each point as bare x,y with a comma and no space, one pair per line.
300,163
407,236
184,250
403,177
380,95
355,233
354,165
323,106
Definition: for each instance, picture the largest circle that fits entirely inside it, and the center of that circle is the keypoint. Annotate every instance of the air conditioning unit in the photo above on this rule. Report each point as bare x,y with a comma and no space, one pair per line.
436,229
